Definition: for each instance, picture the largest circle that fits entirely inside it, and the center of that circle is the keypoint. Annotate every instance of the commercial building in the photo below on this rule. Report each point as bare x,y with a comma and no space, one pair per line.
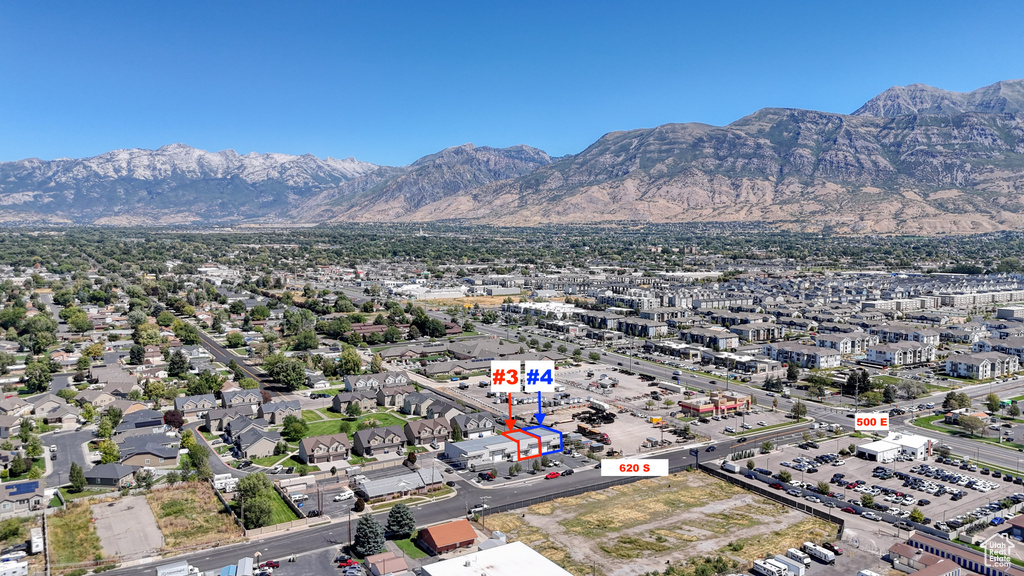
513,559
896,444
480,453
715,403
447,537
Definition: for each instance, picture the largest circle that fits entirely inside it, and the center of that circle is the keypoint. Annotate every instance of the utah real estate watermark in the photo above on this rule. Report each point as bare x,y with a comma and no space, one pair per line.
997,550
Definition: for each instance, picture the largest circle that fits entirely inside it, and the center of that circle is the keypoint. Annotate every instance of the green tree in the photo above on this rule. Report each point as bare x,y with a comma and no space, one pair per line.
992,402
257,512
594,357
401,522
254,485
235,340
353,410
109,452
34,447
785,476
294,429
823,487
369,537
867,500
377,364
792,372
889,394
165,319
37,376
305,340
971,424
248,383
292,375
178,365
799,409
77,478
1013,411
6,361
137,354
916,515
350,362
83,363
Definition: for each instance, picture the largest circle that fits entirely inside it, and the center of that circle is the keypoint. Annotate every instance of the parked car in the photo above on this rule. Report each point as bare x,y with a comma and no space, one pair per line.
270,564
849,510
835,549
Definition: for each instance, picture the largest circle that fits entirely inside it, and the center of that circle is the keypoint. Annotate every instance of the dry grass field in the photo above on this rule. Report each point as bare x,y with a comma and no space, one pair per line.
190,515
72,538
635,528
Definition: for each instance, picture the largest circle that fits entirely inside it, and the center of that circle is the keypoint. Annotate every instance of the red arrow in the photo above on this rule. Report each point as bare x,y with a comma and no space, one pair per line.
510,423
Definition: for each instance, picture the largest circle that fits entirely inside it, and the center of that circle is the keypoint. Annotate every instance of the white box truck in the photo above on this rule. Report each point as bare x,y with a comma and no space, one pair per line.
179,568
795,567
815,551
799,556
13,568
732,467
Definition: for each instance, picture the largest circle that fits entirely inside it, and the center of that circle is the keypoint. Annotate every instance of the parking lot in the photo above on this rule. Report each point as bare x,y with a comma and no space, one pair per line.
946,493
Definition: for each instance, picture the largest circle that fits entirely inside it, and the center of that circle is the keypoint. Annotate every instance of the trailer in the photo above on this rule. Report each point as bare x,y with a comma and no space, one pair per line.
731,467
598,405
671,387
819,553
763,568
795,567
799,556
219,480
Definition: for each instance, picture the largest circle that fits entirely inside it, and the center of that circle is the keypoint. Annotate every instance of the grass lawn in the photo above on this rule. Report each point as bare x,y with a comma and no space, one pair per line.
327,413
190,514
886,380
929,422
323,427
68,495
409,548
357,460
282,513
385,418
311,415
72,536
268,460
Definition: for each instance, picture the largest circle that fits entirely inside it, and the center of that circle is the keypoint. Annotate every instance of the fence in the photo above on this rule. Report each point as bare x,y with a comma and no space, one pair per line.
776,495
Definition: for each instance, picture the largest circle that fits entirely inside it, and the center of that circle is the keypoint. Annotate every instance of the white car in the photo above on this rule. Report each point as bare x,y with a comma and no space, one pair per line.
762,423
343,495
839,463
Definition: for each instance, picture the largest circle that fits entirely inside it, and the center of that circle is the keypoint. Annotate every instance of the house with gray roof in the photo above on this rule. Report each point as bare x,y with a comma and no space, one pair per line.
276,412
378,440
428,431
371,382
239,398
156,450
256,443
327,448
415,482
473,425
366,399
192,406
393,396
113,474
21,498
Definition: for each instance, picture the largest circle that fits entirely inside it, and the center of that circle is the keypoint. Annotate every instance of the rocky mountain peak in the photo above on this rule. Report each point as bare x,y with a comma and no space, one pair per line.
1002,97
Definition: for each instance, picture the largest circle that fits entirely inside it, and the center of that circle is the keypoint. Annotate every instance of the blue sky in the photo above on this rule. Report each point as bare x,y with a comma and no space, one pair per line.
388,82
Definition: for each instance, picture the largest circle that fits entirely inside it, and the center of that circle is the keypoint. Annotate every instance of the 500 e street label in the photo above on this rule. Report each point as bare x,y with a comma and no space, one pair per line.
871,421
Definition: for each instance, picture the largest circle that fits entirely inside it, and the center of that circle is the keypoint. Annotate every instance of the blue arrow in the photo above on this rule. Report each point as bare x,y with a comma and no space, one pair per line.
539,416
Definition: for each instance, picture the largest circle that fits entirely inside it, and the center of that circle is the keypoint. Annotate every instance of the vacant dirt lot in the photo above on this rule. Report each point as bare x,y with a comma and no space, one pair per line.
631,529
191,515
126,527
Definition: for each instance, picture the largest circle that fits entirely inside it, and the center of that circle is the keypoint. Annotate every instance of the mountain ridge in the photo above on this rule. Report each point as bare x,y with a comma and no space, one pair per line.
913,159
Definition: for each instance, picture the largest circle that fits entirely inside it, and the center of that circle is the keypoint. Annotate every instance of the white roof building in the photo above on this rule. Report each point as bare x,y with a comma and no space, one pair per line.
513,559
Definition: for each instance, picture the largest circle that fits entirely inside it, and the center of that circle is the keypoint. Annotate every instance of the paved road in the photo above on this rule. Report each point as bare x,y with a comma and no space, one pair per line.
69,449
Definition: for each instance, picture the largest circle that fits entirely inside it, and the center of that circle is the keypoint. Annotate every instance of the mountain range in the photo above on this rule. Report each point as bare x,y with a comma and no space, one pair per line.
914,159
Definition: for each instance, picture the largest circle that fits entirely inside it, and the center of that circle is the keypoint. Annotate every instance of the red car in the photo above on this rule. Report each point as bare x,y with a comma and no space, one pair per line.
552,475
830,546
271,564
849,510
775,485
349,562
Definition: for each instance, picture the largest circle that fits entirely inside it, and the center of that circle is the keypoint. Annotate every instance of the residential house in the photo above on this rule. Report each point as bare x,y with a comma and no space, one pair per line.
195,352
196,405
371,382
444,410
329,448
365,399
123,389
379,440
236,427
446,537
108,375
716,338
846,343
14,406
256,443
276,412
240,398
316,380
393,396
416,404
66,416
473,425
112,475
155,450
217,418
126,406
9,426
97,398
141,419
428,431
45,402
1011,346
21,498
